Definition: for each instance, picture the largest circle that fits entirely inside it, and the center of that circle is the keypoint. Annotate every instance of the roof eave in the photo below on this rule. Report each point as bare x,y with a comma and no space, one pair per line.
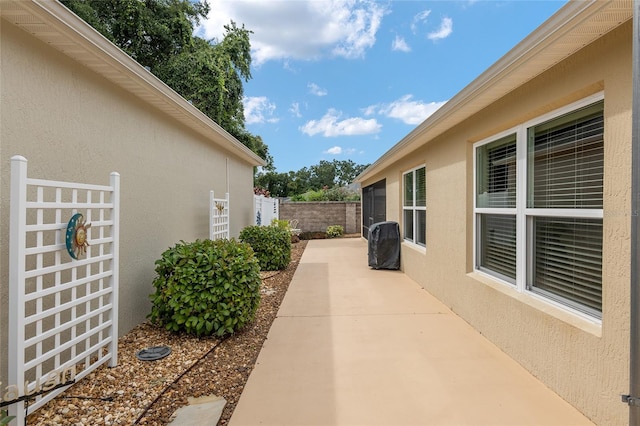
582,21
53,23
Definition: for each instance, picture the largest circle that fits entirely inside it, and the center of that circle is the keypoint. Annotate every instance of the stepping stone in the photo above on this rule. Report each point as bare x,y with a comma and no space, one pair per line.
204,411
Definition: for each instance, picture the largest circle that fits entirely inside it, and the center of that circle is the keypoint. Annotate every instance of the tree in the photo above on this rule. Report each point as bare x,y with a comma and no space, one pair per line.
158,34
324,175
347,171
255,144
211,75
334,173
150,31
276,183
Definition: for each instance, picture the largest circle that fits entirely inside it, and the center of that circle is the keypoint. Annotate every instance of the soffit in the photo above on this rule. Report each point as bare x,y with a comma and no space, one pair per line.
573,27
54,24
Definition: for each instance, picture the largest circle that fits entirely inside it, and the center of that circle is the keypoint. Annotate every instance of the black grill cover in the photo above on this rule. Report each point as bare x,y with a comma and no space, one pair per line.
384,245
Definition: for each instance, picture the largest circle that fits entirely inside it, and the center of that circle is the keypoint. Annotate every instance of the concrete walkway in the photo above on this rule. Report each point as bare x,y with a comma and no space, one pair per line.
356,346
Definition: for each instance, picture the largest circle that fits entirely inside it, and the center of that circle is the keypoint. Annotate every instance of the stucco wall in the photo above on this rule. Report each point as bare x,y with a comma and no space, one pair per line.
316,216
583,361
73,125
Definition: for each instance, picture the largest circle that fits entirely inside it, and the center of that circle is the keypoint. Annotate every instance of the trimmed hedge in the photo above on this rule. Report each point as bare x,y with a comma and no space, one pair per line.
271,244
206,287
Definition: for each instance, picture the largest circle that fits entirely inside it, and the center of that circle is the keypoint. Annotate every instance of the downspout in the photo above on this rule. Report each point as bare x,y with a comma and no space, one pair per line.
633,399
226,165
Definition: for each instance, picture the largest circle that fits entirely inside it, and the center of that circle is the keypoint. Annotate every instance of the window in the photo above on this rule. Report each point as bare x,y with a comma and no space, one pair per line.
414,206
538,206
496,196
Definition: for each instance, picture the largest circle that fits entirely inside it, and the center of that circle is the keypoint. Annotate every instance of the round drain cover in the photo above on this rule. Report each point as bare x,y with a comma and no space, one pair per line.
154,353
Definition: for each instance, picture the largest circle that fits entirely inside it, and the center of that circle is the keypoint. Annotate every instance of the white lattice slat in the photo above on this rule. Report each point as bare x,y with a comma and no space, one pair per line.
218,217
63,312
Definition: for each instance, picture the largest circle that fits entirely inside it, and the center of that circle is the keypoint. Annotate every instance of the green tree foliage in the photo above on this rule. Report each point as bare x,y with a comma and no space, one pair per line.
158,34
150,31
326,174
276,183
323,174
257,145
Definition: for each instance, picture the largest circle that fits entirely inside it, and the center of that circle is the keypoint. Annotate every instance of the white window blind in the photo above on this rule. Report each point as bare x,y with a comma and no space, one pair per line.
414,206
546,236
568,261
498,245
566,163
496,190
496,174
566,159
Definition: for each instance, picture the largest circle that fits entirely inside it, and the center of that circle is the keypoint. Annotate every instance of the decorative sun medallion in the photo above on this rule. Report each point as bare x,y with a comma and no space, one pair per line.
76,239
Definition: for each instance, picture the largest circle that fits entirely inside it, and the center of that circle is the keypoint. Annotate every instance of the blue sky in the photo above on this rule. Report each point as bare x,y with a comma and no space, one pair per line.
347,79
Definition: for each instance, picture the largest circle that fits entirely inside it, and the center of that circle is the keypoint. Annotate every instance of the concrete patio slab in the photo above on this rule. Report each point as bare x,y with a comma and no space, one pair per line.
356,346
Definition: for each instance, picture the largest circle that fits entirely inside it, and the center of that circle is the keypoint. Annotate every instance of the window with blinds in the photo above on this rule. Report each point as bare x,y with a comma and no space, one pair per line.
414,206
567,262
496,173
566,163
560,242
495,191
497,245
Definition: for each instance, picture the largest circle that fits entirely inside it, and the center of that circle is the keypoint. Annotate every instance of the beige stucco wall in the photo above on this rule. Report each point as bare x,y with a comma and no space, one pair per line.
584,362
73,125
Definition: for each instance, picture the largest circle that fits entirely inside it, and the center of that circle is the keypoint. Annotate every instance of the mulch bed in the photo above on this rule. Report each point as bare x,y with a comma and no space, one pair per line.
149,392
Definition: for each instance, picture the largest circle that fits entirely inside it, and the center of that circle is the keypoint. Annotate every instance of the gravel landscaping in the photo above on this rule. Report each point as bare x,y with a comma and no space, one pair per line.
149,392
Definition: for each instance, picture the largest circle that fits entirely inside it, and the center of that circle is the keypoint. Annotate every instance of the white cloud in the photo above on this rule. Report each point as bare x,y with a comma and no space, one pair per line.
259,110
306,30
400,44
330,125
314,89
418,19
445,30
336,150
406,109
371,110
294,109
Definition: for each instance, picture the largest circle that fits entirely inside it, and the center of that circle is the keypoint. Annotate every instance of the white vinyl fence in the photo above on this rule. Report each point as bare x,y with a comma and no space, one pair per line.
63,312
218,217
265,210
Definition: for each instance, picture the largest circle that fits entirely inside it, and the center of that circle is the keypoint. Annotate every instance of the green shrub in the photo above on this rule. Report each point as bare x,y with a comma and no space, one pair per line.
271,244
334,231
284,224
5,418
206,287
334,194
319,195
338,193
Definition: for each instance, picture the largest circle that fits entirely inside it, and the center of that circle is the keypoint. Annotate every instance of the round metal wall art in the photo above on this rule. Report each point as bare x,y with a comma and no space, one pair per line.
76,238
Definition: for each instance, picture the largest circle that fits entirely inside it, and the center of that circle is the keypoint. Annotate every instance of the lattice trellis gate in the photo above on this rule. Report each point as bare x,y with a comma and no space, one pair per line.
63,313
218,217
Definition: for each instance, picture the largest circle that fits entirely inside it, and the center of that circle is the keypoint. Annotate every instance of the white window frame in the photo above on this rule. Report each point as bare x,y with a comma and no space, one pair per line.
525,215
413,208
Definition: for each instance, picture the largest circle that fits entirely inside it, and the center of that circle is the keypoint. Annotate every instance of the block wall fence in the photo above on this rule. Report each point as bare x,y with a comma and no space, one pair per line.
315,216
